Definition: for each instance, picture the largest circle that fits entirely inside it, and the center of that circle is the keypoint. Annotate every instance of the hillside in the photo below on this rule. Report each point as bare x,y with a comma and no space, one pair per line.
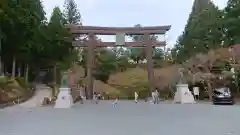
99,86
137,76
135,79
11,90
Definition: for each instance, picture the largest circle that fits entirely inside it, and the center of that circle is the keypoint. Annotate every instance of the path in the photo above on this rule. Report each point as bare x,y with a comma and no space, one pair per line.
37,99
126,118
42,91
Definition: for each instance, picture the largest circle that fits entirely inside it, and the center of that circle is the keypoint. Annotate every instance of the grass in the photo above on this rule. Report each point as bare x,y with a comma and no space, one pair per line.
136,77
11,90
124,84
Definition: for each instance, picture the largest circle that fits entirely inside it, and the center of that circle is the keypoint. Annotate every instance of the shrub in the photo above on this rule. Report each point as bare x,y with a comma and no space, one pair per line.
3,81
22,82
102,76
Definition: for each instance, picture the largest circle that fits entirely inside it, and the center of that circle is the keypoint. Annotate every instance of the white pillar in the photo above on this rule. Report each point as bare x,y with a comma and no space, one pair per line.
64,99
183,95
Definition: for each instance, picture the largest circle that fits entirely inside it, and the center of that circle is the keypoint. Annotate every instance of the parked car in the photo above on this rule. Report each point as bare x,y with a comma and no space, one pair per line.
223,96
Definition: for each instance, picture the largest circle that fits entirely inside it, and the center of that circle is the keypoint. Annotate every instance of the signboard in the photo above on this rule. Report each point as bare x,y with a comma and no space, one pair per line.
120,39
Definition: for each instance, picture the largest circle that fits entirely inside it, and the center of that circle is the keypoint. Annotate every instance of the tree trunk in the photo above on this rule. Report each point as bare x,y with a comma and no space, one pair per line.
209,90
1,70
14,67
19,70
237,85
54,93
26,73
237,81
85,72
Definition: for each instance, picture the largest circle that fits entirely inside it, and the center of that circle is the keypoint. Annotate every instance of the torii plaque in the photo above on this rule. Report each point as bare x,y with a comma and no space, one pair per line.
120,33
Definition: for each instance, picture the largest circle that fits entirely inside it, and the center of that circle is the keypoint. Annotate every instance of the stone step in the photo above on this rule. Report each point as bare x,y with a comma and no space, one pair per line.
42,87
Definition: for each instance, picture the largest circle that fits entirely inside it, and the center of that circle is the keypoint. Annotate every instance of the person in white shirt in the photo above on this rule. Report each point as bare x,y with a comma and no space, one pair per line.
153,97
196,93
136,97
81,93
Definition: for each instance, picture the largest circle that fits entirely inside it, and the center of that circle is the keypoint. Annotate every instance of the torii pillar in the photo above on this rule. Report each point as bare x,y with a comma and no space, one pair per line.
90,65
150,68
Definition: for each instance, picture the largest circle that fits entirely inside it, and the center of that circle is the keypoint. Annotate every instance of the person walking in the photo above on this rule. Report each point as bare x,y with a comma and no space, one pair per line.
157,95
136,97
196,93
95,98
82,94
153,97
115,102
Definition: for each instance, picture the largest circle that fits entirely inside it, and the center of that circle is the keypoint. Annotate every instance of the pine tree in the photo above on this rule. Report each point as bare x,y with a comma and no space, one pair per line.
71,12
232,22
200,5
193,39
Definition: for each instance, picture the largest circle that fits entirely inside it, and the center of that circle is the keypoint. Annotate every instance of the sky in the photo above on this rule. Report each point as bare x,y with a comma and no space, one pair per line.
123,13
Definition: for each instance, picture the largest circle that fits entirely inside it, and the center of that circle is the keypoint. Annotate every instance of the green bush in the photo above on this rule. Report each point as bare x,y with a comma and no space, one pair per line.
22,82
3,81
102,76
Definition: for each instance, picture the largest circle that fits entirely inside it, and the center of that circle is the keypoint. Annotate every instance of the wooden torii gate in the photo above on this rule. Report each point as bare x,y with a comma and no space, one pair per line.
120,32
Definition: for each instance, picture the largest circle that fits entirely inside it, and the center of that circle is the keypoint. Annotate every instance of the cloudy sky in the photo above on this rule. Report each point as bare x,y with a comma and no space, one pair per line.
131,12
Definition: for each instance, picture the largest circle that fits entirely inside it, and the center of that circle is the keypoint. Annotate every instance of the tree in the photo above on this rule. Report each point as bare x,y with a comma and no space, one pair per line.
72,16
106,63
19,21
232,22
139,53
209,33
200,5
158,54
58,40
28,39
231,31
71,13
200,37
209,68
59,37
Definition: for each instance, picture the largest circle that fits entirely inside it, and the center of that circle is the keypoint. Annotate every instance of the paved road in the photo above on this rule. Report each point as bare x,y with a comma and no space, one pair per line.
126,118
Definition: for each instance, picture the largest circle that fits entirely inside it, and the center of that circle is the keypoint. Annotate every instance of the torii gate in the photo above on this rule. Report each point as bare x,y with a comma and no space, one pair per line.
120,32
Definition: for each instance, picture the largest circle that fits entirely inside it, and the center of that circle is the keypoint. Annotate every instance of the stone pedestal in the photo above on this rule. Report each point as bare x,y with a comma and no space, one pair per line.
64,99
183,95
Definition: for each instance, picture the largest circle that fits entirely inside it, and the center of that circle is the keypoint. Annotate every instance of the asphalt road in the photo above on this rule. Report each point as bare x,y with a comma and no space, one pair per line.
126,118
